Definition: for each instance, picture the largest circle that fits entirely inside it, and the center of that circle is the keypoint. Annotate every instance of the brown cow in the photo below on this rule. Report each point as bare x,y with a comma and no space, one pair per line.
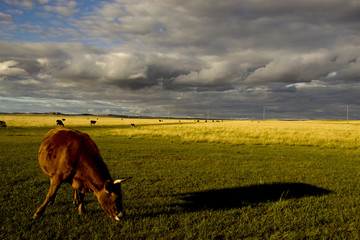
67,155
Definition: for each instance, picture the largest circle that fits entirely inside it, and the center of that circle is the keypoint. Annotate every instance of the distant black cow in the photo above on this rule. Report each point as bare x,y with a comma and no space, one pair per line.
59,123
92,123
132,125
2,124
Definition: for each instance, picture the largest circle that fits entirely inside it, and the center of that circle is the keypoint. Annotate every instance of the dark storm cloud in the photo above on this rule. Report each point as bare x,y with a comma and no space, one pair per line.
185,56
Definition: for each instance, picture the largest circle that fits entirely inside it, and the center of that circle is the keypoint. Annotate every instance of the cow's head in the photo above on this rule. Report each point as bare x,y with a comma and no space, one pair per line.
111,199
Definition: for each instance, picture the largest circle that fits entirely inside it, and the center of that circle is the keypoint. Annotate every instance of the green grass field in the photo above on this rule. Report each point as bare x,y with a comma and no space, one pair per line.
256,180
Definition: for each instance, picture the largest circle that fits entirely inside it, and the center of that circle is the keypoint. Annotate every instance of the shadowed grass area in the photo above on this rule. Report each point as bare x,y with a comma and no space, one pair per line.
242,196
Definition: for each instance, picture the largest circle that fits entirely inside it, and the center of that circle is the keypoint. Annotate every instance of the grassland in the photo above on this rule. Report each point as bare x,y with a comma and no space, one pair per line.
215,180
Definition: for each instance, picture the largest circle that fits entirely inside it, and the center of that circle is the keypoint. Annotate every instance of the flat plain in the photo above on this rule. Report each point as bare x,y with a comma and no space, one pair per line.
192,180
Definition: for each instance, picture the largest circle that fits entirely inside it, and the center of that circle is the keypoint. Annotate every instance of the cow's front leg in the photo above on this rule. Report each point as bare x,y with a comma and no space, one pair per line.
76,198
77,186
81,203
54,186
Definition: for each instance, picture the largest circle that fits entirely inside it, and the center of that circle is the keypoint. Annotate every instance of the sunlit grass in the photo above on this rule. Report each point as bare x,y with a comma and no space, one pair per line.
303,133
330,134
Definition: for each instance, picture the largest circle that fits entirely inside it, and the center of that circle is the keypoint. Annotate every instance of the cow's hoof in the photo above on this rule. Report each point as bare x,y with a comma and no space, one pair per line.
37,214
82,211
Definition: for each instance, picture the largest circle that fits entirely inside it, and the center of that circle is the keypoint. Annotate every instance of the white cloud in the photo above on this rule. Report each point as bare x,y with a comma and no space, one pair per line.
5,17
120,66
218,73
15,11
301,67
43,61
8,68
65,8
21,3
43,1
29,82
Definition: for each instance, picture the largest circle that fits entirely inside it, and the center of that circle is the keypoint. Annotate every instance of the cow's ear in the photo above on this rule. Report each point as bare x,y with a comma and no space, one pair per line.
108,186
122,180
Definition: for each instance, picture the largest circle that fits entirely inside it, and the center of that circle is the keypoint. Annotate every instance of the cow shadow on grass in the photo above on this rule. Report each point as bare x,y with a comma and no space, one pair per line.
228,198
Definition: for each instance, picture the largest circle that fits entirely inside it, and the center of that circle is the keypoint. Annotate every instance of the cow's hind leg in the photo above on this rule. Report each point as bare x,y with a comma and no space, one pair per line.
54,186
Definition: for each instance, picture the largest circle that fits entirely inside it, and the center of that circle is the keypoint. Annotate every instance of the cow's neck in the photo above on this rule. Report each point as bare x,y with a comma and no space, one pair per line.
97,176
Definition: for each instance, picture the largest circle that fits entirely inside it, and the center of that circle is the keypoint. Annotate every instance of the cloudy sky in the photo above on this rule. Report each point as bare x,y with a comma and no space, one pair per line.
231,58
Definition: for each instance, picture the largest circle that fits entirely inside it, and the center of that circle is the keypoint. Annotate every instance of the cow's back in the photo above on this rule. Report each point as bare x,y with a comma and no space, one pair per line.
63,150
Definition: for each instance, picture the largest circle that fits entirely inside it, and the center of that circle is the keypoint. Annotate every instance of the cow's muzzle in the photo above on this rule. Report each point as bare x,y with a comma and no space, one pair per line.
120,215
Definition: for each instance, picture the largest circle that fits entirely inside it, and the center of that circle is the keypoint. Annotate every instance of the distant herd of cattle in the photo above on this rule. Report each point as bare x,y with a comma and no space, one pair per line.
92,122
60,122
2,124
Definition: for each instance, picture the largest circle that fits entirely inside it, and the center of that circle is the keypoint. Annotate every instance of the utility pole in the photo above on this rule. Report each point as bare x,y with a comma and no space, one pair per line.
347,114
264,114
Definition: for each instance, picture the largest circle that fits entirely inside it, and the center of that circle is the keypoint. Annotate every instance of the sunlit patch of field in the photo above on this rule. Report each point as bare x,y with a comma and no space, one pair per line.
330,134
303,133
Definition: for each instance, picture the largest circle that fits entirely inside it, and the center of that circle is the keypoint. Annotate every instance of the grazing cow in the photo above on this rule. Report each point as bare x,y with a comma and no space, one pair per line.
66,155
132,125
59,123
92,122
2,124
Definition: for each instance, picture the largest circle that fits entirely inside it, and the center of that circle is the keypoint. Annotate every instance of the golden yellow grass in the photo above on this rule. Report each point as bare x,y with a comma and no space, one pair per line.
333,134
